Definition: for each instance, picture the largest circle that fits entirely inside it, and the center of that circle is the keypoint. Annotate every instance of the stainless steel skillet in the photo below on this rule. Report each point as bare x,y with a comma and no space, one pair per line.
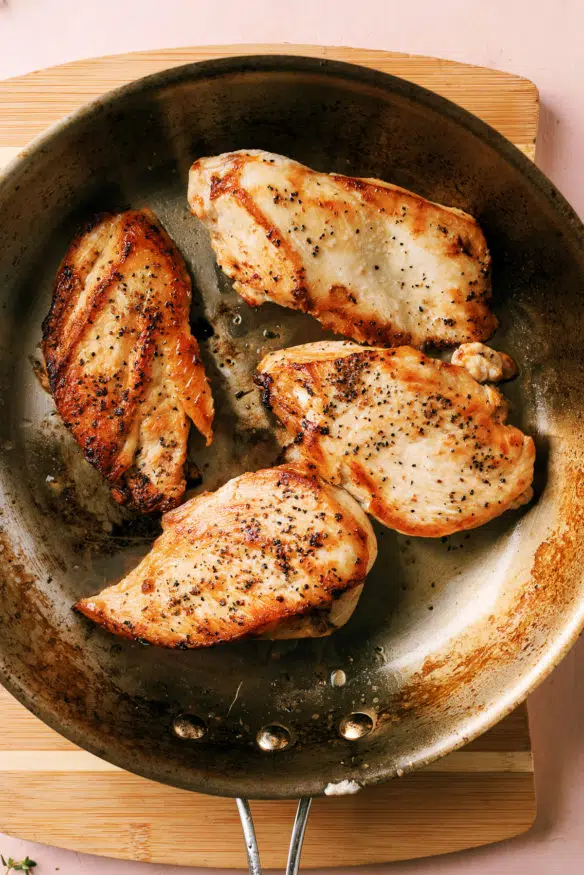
448,636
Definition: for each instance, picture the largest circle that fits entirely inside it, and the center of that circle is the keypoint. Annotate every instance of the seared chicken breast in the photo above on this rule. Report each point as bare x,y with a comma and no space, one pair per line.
418,442
124,369
370,260
266,549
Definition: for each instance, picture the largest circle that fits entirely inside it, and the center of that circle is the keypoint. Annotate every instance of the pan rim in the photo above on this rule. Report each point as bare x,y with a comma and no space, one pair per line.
197,778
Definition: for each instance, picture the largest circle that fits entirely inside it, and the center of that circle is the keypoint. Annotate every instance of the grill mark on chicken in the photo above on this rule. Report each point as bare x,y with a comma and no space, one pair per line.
254,558
124,369
421,444
414,271
231,184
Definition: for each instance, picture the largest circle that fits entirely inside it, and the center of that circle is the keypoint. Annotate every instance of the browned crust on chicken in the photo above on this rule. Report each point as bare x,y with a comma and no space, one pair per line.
266,547
418,442
124,370
369,260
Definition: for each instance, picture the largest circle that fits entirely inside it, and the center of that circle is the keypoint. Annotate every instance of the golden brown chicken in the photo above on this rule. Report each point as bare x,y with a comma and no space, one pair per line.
124,370
418,442
370,260
265,550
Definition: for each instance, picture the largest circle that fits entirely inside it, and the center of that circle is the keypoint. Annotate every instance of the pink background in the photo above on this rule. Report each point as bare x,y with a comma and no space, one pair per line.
541,40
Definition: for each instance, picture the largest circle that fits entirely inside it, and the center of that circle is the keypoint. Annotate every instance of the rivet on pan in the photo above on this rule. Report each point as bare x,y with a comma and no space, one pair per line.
274,737
355,726
188,727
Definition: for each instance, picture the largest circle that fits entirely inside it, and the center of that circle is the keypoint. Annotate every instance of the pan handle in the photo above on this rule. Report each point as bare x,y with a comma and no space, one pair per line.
296,840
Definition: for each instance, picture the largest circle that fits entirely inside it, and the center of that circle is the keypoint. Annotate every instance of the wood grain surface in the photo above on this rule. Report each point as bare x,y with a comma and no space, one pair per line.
29,104
52,792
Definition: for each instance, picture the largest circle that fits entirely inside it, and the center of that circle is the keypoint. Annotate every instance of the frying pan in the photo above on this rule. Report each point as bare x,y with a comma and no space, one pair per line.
450,634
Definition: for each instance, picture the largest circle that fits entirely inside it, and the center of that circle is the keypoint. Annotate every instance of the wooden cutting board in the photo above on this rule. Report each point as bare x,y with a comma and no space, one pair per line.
53,792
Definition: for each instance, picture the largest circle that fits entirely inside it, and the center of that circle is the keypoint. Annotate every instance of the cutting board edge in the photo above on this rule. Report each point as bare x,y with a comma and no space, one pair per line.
327,52
135,838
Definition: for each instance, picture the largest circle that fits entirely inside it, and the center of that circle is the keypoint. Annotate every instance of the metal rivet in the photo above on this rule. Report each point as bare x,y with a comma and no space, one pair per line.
355,726
273,737
188,727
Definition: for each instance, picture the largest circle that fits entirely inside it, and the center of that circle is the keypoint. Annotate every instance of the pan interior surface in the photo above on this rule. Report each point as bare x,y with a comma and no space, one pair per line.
449,634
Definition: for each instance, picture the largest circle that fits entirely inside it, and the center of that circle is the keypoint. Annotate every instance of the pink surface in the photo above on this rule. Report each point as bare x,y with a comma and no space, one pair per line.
541,40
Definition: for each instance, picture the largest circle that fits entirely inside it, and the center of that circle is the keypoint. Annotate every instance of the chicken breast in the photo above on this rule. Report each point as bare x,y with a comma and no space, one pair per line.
267,548
421,445
370,260
124,370
486,365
